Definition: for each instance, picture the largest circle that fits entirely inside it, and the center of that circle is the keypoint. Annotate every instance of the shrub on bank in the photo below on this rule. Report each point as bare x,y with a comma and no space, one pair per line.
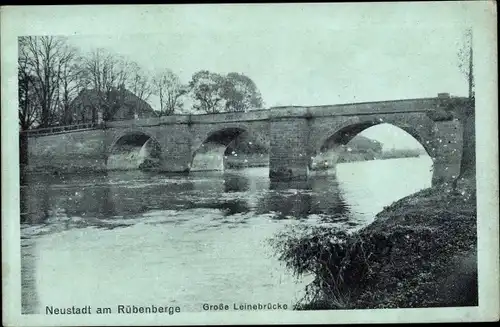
419,252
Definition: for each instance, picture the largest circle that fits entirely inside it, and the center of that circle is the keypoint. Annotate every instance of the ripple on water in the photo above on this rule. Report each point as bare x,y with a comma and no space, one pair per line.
134,238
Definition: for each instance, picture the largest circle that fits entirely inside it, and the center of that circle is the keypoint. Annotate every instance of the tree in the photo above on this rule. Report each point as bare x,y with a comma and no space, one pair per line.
42,58
208,91
71,84
467,116
112,79
169,89
28,103
107,76
241,93
465,61
139,82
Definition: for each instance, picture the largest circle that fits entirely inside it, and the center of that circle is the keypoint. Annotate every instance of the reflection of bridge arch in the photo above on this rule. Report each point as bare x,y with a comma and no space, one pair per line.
314,196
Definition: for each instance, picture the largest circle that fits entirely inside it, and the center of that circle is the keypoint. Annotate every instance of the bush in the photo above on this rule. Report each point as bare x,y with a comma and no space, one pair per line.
408,257
338,260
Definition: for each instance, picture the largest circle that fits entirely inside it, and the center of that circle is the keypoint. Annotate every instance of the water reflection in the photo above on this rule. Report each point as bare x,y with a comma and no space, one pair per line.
216,221
29,294
300,199
35,202
119,194
236,183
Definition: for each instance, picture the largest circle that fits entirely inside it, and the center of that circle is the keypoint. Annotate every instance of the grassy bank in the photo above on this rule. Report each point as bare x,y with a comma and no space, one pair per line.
419,252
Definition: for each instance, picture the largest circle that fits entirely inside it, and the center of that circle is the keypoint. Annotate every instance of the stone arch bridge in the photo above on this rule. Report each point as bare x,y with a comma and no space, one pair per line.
295,135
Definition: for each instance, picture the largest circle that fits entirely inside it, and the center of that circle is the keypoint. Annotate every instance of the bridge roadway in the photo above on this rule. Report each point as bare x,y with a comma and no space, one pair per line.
295,134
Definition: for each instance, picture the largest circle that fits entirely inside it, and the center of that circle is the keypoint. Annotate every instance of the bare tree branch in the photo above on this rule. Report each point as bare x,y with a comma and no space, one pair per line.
168,87
41,61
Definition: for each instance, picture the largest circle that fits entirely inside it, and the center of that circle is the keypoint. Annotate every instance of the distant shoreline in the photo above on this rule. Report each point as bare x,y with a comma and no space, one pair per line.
232,162
256,160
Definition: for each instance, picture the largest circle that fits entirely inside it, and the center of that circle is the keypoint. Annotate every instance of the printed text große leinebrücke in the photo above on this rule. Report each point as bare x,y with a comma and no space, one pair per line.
244,306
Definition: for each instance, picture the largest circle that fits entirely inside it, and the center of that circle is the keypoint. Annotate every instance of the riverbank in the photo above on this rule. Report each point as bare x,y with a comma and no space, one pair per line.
262,160
419,252
247,161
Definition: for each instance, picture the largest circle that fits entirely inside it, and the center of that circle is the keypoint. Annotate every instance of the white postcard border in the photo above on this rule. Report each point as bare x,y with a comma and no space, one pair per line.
16,21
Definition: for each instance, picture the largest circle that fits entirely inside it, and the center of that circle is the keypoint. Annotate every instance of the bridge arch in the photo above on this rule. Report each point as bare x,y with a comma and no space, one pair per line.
208,151
134,149
420,128
442,149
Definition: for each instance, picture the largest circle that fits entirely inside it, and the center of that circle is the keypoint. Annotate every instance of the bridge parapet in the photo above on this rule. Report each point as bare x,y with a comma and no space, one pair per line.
288,112
381,107
362,108
226,117
60,129
442,107
230,117
155,121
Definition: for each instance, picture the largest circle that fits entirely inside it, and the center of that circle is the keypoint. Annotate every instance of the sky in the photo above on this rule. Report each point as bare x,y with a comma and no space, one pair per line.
304,67
305,55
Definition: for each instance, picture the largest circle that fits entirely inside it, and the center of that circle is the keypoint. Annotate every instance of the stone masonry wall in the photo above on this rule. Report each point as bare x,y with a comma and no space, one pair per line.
67,152
288,157
295,134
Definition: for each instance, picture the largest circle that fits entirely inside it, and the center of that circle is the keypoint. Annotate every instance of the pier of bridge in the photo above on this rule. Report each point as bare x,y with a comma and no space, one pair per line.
295,135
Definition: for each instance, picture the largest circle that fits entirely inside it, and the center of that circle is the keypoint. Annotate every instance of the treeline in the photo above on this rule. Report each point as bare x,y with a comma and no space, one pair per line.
401,153
369,154
52,73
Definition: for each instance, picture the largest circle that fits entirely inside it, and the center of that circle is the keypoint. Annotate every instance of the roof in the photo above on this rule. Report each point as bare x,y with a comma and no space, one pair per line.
90,97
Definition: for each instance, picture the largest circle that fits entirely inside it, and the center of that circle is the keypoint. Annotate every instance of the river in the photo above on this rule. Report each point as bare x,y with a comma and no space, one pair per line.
132,237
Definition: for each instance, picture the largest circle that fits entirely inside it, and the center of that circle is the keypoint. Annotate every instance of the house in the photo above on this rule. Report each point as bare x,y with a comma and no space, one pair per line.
88,106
